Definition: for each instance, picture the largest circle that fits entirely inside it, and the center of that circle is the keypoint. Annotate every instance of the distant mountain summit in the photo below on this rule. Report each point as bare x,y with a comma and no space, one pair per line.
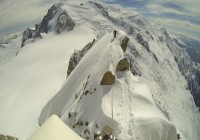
56,19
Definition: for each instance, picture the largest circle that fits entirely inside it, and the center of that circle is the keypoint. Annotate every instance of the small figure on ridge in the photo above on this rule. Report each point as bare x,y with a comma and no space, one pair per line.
115,33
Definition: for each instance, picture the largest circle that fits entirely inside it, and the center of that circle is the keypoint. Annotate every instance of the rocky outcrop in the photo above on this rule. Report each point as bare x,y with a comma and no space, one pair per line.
101,7
155,57
28,33
135,70
77,56
123,65
64,22
144,43
108,78
124,44
44,26
6,137
2,46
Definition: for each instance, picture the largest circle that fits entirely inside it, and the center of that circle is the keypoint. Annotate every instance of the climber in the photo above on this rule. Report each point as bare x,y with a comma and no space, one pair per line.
178,136
115,33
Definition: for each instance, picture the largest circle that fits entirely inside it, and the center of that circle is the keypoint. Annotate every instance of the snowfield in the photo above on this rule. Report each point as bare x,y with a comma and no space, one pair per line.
33,77
151,100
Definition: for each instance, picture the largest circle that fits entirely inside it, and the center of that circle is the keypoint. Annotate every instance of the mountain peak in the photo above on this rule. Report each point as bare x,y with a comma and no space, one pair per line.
56,19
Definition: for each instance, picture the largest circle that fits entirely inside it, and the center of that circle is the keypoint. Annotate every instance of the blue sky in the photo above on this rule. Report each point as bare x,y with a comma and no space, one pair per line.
178,16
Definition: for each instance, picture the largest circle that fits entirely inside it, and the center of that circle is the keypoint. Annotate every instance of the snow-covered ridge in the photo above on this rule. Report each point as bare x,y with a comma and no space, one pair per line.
88,101
150,53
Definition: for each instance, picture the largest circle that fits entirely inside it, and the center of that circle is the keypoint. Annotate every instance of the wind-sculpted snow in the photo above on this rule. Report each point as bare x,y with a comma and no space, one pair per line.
54,129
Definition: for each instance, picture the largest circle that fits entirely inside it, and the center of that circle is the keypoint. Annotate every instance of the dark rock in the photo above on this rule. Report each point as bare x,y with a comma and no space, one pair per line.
10,138
64,22
124,44
96,136
131,30
103,9
77,56
28,33
86,131
44,26
123,65
144,43
108,78
2,137
81,123
161,38
86,123
134,70
7,137
155,57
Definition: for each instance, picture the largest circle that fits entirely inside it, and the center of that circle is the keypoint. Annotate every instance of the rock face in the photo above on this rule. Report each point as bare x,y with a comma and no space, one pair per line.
77,56
191,73
108,78
64,22
44,26
6,137
123,65
101,7
28,33
124,44
144,43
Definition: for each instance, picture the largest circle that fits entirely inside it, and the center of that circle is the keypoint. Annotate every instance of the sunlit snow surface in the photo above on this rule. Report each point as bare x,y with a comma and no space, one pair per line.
54,129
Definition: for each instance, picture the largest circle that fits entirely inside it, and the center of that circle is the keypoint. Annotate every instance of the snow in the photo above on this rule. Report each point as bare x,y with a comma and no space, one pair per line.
11,46
134,109
54,129
155,105
33,77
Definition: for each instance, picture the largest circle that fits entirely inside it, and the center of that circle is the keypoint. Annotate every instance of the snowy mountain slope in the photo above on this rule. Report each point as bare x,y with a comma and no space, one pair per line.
29,80
150,99
9,46
151,55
